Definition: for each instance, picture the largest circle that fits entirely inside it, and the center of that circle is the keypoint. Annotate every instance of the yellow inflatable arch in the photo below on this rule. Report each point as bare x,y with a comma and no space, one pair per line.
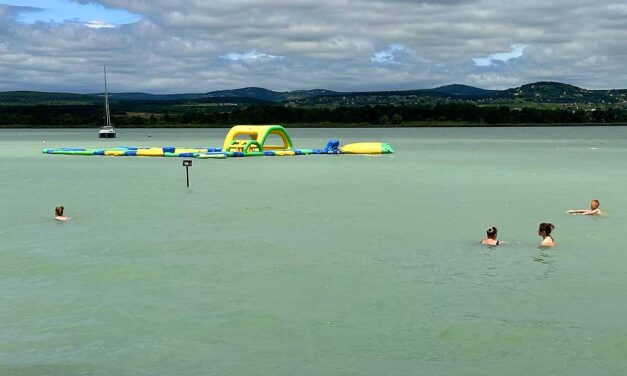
255,138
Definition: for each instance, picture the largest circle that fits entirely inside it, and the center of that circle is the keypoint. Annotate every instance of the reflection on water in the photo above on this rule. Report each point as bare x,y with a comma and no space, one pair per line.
543,257
547,259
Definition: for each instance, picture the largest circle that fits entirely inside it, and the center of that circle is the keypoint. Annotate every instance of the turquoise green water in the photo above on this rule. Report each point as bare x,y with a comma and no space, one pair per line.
316,265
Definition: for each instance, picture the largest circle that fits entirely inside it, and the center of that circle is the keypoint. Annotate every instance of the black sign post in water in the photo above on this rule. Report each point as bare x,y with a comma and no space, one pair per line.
187,163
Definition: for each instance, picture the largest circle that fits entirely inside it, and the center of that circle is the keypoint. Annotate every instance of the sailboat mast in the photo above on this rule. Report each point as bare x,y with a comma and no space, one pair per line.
107,116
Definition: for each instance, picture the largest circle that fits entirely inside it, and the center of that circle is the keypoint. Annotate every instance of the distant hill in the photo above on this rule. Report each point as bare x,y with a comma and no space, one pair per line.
538,92
270,95
535,103
297,94
138,96
557,92
462,90
36,97
249,92
544,92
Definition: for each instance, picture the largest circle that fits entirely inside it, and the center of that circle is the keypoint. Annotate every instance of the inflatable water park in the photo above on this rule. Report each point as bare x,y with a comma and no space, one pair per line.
241,141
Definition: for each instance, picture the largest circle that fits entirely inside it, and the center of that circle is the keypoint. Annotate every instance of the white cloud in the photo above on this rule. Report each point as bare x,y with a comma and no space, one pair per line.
249,56
516,52
98,24
388,56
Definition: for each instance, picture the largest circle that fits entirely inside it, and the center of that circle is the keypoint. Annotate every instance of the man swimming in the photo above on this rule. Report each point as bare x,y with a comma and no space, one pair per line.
594,209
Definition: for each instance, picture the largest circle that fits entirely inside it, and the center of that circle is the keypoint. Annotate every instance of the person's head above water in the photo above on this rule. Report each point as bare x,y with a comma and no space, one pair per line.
545,229
594,204
59,211
490,239
491,233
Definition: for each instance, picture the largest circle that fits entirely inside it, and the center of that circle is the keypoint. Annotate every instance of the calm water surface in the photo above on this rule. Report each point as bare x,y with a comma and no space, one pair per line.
317,265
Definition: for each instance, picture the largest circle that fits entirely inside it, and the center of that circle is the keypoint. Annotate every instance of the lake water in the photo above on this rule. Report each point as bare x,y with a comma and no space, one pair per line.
315,265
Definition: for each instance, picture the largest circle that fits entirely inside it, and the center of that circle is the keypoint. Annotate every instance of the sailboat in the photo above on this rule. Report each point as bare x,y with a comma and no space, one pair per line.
107,131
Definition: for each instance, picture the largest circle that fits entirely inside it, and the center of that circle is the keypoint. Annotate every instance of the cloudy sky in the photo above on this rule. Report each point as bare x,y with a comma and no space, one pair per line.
176,46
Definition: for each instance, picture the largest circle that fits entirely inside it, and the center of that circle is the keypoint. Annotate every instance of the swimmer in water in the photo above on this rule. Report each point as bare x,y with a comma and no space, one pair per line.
545,232
491,237
58,211
594,209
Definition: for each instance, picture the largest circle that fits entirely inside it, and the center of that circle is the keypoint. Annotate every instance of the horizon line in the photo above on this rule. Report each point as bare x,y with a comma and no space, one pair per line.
290,91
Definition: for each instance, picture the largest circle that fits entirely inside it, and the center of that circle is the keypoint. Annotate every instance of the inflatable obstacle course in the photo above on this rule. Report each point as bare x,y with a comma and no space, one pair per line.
241,141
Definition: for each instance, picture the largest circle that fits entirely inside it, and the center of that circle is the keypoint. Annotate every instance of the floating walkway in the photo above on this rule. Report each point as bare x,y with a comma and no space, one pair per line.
241,141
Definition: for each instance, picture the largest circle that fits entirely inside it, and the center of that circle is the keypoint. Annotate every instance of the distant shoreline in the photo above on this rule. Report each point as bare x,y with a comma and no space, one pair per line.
331,125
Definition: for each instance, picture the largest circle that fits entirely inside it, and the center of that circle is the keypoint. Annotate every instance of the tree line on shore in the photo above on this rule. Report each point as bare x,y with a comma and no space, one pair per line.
437,113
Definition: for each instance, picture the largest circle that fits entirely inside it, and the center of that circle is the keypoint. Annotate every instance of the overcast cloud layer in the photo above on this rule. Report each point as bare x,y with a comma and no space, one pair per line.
196,46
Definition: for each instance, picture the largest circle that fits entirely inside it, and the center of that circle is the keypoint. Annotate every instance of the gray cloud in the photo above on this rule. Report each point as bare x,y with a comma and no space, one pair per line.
185,45
13,10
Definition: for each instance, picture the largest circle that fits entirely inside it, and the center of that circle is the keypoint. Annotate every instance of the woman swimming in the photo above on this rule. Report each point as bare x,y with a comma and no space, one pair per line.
58,211
545,232
491,237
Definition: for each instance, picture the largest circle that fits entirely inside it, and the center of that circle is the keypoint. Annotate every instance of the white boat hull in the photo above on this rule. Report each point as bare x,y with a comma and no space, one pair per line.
106,134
